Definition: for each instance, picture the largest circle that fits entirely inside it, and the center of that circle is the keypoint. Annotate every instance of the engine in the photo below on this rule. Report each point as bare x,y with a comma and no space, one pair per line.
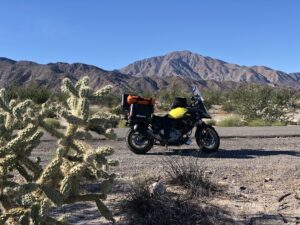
175,134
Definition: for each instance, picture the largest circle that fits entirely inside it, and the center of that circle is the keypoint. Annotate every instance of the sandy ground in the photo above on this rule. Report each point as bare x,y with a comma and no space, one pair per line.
261,177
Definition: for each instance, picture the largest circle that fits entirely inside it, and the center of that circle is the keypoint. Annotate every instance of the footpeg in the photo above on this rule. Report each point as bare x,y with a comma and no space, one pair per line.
188,142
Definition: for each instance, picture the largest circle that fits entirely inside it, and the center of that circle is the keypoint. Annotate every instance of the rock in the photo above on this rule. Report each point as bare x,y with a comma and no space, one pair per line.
297,195
267,179
244,195
243,188
157,188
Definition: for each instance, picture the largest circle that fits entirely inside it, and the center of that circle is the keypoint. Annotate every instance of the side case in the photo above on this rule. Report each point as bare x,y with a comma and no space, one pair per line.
141,113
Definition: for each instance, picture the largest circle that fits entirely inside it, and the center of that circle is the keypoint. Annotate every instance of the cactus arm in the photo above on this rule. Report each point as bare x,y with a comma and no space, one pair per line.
66,184
23,172
75,161
19,140
33,142
33,166
50,171
69,88
102,92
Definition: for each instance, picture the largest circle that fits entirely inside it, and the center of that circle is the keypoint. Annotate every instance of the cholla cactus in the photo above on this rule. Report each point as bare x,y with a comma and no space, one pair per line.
75,161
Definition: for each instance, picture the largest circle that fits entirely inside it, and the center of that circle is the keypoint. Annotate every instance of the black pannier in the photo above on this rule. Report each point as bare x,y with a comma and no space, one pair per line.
124,104
139,112
179,102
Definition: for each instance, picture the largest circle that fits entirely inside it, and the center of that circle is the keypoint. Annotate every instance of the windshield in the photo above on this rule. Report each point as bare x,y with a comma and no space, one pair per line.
197,93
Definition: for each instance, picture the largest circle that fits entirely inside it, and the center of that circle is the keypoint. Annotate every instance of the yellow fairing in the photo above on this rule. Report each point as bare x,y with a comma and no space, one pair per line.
177,113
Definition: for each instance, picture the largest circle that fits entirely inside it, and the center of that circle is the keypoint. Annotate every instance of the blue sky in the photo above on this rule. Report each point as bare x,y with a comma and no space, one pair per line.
113,33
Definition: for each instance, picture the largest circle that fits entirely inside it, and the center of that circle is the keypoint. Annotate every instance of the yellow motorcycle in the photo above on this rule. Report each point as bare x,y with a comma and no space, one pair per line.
172,129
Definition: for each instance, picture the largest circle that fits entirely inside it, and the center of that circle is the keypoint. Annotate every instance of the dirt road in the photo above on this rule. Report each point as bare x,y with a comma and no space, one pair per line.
261,177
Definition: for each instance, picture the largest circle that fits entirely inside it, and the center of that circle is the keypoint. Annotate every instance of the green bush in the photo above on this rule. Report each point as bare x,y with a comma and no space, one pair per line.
279,123
227,106
122,124
211,122
213,97
232,121
36,93
258,123
168,95
261,102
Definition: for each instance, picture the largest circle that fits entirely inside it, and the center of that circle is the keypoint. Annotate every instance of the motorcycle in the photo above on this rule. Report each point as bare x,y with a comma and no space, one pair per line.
147,129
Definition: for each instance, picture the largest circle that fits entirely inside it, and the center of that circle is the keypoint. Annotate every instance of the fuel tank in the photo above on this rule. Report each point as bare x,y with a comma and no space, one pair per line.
177,113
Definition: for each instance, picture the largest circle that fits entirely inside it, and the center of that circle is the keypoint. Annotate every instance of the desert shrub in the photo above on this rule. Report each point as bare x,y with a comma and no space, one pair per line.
53,123
261,102
279,123
110,100
143,207
122,124
117,110
258,123
167,95
189,175
163,106
213,97
28,198
36,93
211,122
232,121
59,97
227,106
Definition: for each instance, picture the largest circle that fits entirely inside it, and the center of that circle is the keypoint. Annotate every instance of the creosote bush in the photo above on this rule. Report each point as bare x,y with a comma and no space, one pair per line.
232,121
262,102
28,200
143,207
189,175
33,91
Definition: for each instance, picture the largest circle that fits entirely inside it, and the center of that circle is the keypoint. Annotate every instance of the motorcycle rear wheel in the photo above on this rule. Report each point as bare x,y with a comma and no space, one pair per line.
207,139
137,143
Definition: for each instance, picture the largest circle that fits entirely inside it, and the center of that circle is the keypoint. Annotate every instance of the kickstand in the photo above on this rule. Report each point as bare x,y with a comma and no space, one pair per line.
167,148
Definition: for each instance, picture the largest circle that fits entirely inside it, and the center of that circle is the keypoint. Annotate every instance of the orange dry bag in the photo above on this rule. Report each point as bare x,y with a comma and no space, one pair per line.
132,99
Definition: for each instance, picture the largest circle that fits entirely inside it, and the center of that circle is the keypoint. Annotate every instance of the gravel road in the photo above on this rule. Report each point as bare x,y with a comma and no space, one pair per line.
259,132
257,173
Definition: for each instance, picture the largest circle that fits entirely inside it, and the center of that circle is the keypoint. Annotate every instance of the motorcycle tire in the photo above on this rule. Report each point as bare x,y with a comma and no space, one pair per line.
207,139
137,143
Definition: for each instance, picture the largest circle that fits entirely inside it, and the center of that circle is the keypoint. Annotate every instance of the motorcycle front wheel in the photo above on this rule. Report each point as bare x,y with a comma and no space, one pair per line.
207,139
138,143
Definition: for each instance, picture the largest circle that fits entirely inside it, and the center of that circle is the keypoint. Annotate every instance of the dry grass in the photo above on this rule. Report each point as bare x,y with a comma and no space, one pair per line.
189,175
142,207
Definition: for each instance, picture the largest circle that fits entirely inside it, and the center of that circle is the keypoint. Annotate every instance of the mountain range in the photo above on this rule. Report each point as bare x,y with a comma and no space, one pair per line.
153,74
197,67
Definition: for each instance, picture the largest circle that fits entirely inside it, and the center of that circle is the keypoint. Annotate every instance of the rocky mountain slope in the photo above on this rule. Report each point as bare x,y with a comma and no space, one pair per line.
183,68
197,67
17,73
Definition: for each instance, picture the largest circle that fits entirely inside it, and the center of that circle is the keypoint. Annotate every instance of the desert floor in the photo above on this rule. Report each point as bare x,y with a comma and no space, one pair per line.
260,176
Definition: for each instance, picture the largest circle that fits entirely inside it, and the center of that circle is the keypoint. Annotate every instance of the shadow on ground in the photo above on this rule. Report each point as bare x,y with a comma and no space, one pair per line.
236,153
267,219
